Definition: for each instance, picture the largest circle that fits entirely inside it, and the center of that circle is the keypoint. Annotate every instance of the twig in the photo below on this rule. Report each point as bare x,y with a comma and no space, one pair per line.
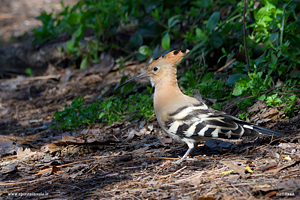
245,39
92,168
164,176
226,65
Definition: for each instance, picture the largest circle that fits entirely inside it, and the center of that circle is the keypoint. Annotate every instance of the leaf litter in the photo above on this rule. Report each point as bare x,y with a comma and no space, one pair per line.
132,159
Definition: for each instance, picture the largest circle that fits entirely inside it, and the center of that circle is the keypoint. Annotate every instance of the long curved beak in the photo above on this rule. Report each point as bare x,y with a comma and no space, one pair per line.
133,79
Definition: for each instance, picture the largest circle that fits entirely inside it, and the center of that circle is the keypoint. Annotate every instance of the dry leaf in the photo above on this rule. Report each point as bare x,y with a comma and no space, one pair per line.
259,105
272,113
23,153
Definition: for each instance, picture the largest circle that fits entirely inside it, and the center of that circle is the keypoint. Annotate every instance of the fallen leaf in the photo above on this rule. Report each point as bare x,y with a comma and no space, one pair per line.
23,153
259,105
272,113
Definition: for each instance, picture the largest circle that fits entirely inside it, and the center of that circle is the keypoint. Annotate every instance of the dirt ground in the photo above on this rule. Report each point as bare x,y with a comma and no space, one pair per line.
125,160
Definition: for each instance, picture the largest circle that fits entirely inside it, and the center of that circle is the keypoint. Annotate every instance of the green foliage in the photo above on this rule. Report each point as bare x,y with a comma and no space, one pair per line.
28,71
113,109
214,28
255,85
276,99
243,116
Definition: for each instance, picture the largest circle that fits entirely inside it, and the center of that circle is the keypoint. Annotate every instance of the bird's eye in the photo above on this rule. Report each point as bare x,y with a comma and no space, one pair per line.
155,69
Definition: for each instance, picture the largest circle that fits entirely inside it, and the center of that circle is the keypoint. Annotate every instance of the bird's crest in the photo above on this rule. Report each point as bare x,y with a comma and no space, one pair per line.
173,57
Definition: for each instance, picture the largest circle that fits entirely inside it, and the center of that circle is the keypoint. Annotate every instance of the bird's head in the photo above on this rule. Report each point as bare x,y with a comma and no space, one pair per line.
163,68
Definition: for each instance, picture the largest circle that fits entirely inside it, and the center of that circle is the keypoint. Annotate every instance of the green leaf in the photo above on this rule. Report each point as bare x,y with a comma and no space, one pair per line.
235,77
136,41
294,40
101,115
262,97
267,19
240,86
274,59
79,32
71,44
145,50
173,21
141,57
200,34
28,71
155,53
155,13
165,42
295,75
213,21
293,98
83,63
216,40
207,77
73,19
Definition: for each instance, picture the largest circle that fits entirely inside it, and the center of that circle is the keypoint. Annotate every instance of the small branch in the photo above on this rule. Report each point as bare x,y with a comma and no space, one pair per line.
245,39
226,65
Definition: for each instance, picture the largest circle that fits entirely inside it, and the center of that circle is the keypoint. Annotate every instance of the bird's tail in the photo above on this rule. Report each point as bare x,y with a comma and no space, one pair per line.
263,131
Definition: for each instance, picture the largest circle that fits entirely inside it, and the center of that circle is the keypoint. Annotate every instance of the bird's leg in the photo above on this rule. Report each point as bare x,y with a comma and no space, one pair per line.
183,157
191,146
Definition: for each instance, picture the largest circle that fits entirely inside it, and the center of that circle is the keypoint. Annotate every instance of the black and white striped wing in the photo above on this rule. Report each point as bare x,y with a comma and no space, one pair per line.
196,121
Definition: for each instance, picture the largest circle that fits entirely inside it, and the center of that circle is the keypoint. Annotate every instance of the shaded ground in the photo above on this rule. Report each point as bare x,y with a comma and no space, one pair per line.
19,17
128,160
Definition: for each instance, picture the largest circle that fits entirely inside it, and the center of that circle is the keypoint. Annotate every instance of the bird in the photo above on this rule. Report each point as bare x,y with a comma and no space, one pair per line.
186,119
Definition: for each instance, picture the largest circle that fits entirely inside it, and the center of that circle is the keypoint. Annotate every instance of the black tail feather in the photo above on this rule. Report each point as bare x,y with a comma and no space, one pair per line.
264,131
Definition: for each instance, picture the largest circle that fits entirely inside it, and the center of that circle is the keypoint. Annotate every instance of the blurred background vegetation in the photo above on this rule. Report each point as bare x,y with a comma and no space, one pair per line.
217,66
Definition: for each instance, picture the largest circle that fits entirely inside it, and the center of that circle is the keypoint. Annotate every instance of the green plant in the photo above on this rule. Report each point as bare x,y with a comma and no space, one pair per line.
137,28
290,106
28,71
243,116
110,110
276,99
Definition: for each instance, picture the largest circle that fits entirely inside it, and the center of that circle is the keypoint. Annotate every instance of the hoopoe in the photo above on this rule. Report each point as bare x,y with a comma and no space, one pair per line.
184,118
